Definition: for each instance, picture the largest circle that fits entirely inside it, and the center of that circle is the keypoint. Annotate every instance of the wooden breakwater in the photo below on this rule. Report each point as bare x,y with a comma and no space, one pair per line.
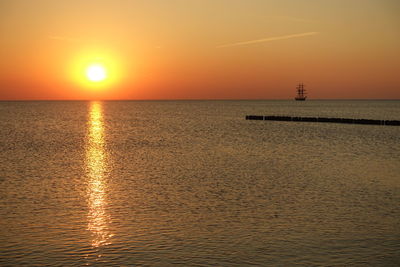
319,119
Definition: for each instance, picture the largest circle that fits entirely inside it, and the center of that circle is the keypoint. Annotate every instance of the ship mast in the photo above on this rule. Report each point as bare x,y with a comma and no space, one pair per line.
301,92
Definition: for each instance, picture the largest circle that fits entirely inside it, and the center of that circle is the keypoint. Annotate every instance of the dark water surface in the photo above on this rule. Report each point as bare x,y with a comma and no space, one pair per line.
160,183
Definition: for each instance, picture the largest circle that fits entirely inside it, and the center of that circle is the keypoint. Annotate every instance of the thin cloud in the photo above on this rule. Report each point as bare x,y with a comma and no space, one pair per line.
270,39
295,19
65,39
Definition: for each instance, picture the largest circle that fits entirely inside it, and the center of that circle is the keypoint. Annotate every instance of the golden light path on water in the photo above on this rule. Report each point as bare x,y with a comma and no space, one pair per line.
96,164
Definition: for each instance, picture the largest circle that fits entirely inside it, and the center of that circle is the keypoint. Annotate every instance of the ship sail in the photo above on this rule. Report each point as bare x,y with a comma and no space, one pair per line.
301,92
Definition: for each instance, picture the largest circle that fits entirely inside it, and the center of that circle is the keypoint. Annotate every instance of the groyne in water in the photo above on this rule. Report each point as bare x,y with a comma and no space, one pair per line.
321,119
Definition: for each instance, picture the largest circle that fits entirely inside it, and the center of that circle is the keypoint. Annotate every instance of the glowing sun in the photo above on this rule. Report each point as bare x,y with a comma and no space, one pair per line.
96,73
96,70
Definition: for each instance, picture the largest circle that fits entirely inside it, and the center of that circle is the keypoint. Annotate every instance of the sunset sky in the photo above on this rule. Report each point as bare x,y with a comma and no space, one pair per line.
192,49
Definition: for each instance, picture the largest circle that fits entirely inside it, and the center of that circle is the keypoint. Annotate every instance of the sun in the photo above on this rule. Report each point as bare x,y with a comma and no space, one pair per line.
96,73
97,70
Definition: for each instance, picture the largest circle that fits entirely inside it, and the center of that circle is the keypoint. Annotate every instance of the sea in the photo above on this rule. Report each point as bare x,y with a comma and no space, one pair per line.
192,183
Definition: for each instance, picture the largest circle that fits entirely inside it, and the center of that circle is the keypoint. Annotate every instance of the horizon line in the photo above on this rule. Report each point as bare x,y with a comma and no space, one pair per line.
205,99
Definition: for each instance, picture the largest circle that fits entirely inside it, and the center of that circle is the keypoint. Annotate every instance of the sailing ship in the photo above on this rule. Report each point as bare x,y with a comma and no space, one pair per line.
301,92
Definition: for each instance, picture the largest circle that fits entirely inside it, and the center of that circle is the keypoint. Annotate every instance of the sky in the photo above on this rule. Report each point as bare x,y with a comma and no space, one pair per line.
200,49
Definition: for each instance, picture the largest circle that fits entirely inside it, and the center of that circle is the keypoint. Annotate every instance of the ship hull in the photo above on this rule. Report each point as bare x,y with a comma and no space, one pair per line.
300,98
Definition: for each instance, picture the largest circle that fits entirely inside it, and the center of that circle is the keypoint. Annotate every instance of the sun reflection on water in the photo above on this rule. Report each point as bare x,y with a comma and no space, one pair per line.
96,164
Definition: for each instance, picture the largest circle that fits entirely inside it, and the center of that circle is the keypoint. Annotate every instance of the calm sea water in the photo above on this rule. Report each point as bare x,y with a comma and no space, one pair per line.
160,183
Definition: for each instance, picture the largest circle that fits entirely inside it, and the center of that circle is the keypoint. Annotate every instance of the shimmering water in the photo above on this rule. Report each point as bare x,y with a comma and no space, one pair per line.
193,183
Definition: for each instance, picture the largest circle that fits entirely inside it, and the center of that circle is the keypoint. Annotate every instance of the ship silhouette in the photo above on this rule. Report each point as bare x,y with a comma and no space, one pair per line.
301,93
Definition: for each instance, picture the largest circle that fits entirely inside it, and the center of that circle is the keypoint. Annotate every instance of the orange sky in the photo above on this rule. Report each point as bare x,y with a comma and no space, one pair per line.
209,49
